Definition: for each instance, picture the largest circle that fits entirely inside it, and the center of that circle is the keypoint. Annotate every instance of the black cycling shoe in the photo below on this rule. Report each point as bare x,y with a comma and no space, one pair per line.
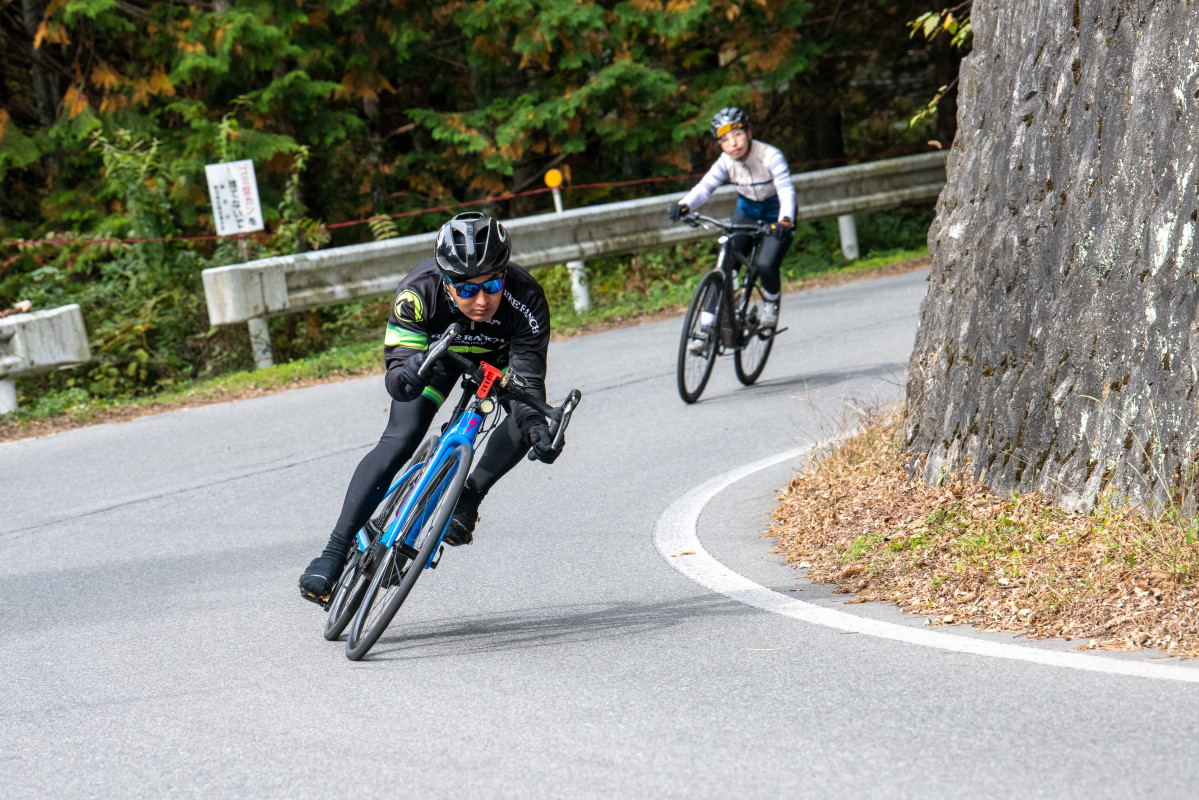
466,514
317,582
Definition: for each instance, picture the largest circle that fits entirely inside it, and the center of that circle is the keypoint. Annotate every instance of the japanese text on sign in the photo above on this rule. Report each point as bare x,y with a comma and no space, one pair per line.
234,192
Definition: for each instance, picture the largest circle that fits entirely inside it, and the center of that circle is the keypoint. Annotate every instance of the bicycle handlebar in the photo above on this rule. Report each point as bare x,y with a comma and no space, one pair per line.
696,220
560,416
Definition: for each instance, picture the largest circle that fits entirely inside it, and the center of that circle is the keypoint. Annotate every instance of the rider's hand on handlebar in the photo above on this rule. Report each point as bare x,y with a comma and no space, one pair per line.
541,443
410,370
411,382
783,229
677,211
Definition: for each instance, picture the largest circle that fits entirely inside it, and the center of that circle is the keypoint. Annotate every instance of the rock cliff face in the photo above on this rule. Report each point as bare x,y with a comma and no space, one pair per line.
1058,347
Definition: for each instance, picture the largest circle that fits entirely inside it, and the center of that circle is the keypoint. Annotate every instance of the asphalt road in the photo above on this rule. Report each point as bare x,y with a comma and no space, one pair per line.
154,644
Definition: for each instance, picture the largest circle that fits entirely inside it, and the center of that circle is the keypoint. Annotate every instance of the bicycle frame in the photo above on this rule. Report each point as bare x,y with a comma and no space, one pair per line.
456,442
727,309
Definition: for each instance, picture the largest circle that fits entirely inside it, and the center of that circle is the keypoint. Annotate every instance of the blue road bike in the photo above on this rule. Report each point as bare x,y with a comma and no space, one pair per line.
405,538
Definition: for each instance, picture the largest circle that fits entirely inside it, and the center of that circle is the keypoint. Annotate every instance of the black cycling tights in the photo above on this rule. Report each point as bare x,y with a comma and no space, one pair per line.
770,257
406,426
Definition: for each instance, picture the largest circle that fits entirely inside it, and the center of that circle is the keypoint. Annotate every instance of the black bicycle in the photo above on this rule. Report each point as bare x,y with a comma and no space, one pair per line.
724,314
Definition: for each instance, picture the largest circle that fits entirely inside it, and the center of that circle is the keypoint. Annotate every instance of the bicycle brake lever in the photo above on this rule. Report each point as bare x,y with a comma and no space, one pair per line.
438,349
561,420
568,408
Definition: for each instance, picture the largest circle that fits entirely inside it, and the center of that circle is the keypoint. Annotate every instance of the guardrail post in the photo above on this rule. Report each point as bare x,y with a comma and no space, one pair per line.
577,269
8,395
260,342
849,236
260,329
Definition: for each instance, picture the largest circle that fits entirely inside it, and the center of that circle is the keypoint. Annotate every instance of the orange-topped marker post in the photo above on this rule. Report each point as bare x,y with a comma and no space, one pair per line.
577,269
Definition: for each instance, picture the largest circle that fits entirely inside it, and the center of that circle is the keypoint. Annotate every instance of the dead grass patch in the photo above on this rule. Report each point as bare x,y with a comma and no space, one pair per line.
1117,578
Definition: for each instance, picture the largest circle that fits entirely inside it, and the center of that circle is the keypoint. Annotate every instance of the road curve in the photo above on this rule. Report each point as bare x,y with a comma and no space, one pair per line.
676,535
154,643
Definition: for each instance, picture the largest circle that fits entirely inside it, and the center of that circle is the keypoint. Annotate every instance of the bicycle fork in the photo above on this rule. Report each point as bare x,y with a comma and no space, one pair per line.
722,313
456,445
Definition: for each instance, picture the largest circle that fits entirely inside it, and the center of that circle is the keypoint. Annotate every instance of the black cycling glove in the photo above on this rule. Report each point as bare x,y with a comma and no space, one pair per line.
677,211
783,229
541,443
407,384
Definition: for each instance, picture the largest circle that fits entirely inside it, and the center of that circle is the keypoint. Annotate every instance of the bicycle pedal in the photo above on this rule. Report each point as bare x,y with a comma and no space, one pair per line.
323,602
437,558
407,551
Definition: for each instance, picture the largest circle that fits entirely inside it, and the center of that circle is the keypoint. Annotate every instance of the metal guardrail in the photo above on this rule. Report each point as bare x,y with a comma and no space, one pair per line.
255,290
38,342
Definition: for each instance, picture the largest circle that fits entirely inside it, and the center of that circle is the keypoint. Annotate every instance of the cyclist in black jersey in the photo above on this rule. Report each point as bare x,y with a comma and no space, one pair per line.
506,322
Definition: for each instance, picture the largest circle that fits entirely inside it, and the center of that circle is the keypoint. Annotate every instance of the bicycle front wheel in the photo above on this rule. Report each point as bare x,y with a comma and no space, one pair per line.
750,358
699,343
356,577
395,576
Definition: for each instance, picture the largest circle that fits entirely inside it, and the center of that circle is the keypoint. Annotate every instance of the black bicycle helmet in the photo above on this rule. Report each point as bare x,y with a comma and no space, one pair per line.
472,244
726,119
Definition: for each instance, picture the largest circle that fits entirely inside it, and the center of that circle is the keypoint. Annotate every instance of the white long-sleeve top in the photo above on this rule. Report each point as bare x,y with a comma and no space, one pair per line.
763,174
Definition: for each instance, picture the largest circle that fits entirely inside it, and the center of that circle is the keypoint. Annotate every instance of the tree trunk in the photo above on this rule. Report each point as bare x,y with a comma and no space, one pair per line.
1058,348
818,116
45,87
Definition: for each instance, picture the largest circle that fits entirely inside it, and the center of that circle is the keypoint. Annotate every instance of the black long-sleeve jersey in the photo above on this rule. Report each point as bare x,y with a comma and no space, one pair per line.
518,335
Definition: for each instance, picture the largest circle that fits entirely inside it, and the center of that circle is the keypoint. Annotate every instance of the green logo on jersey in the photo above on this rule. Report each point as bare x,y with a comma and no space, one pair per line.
408,307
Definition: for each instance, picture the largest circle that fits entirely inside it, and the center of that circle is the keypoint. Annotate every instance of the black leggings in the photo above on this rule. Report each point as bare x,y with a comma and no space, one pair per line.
770,257
406,426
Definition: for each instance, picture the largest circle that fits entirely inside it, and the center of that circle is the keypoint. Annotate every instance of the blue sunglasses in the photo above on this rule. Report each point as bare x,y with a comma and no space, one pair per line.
469,290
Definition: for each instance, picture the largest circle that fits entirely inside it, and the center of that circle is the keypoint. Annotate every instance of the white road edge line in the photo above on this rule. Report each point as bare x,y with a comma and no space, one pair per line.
677,540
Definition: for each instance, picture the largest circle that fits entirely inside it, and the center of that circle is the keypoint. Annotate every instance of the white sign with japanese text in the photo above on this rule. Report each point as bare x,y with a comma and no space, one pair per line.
234,192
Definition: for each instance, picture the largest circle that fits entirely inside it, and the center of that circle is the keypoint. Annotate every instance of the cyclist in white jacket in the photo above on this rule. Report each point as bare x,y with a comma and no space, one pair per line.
765,194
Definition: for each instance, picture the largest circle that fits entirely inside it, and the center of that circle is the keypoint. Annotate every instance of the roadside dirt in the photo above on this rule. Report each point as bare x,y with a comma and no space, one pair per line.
24,429
956,554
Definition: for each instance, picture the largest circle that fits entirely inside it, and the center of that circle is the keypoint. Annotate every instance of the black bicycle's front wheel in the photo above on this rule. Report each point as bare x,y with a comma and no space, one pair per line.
755,344
700,342
396,576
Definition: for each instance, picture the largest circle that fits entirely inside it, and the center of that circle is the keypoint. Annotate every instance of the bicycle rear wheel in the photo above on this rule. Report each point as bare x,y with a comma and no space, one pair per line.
356,577
750,358
395,576
698,345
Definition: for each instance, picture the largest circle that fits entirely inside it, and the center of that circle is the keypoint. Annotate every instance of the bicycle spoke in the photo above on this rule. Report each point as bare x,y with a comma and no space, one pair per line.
394,568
